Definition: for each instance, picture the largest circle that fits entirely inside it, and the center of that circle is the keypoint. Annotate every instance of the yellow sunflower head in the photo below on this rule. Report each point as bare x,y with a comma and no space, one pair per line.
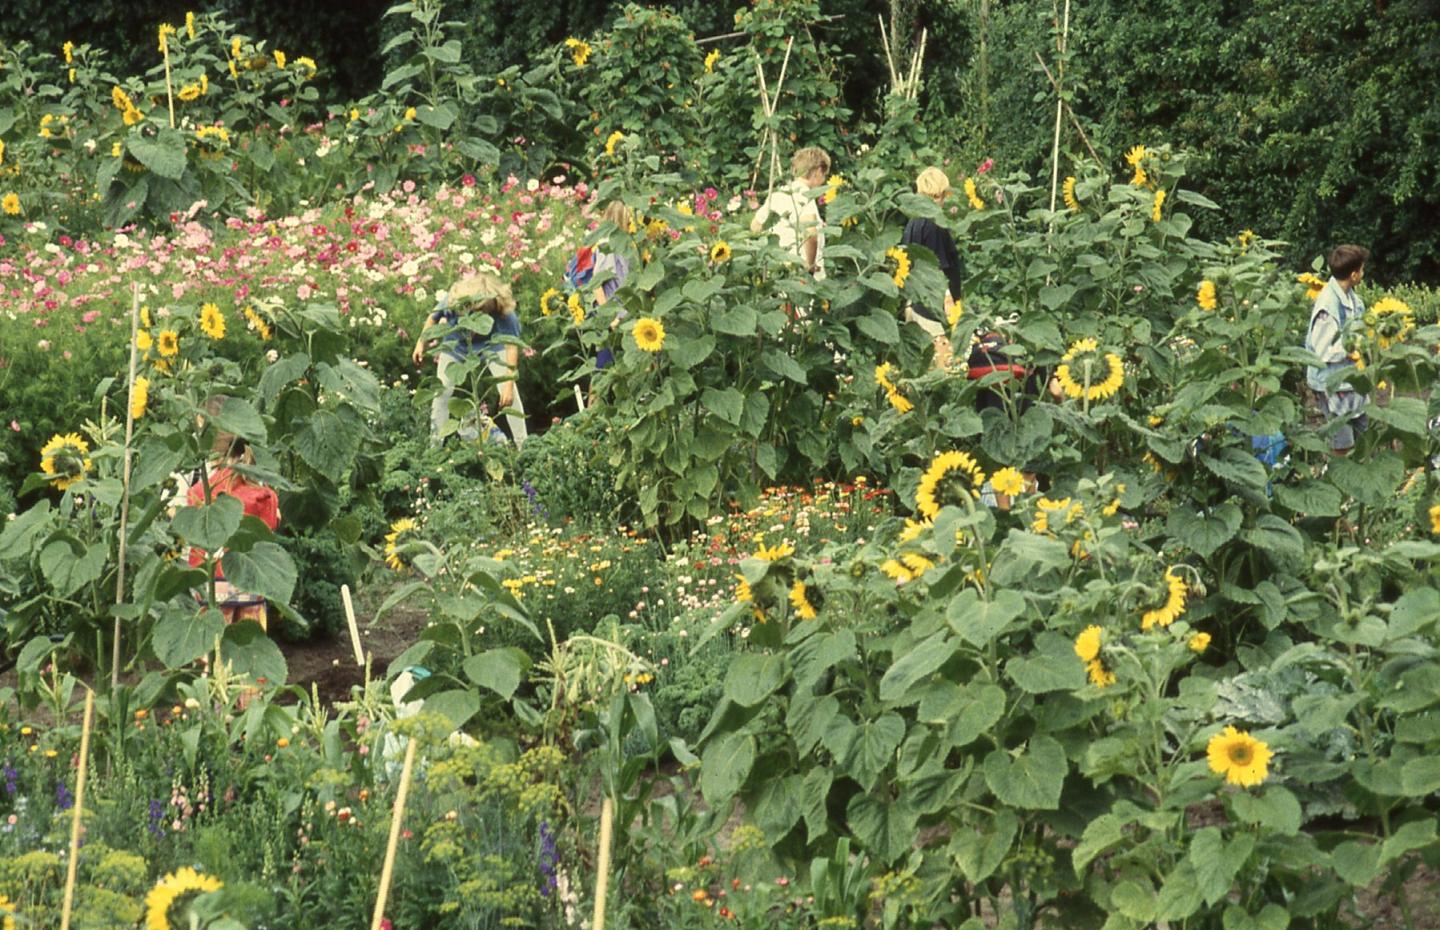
649,334
1199,642
774,553
710,61
66,459
1008,481
1088,643
577,308
168,343
1156,213
1068,190
613,141
579,51
552,301
1205,296
720,252
951,478
212,321
1168,611
972,194
1389,321
179,884
140,398
802,599
401,533
1085,373
1240,757
901,271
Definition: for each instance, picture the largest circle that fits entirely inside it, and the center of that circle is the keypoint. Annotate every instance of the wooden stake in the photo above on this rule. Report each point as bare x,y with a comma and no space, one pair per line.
71,866
889,59
1059,112
912,90
774,107
125,493
1069,112
602,880
387,871
354,627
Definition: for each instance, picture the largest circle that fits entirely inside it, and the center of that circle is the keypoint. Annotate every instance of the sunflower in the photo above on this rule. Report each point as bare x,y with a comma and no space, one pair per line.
168,343
307,64
1170,611
1100,676
552,301
1135,158
1199,642
614,139
916,563
1088,643
11,204
1245,239
1084,355
720,252
649,334
170,888
1435,519
579,51
66,459
7,911
931,495
956,311
973,195
914,529
832,187
1008,481
710,60
892,392
1045,507
1205,296
395,540
162,34
577,308
256,322
800,600
893,569
189,92
1068,190
1155,213
743,594
1113,507
1389,321
212,321
902,265
139,398
1240,757
280,59
774,553
1314,284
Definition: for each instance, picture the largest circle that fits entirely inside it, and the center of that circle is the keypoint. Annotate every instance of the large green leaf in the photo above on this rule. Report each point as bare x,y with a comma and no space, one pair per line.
979,621
329,439
872,748
209,526
265,569
17,536
240,417
164,153
1371,481
916,664
457,705
1216,862
250,652
69,565
1100,834
725,765
499,670
886,828
181,636
978,853
1030,780
1204,533
754,676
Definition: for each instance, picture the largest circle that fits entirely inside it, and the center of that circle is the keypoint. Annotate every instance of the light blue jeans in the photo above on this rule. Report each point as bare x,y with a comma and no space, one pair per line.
469,429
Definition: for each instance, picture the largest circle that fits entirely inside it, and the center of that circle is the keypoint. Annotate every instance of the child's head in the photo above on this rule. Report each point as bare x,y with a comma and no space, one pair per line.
810,165
618,215
1345,260
226,445
482,291
933,183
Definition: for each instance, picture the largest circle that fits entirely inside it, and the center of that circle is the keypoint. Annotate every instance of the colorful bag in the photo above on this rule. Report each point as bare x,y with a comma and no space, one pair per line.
580,269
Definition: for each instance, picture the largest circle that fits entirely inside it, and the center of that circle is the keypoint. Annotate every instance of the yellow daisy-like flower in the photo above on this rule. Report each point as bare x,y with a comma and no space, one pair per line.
168,343
256,322
1389,321
774,553
577,308
212,321
902,265
720,252
1205,296
280,59
649,334
612,141
801,601
832,187
1314,284
1435,519
1155,212
973,195
934,491
66,459
956,311
1240,757
1100,676
1136,155
1088,643
1008,481
579,51
710,60
143,340
139,398
1199,642
306,64
1170,611
171,888
395,540
1068,191
1085,359
552,301
10,203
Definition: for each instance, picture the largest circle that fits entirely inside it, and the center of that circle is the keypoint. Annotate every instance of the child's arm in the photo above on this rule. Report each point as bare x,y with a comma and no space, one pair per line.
418,355
507,388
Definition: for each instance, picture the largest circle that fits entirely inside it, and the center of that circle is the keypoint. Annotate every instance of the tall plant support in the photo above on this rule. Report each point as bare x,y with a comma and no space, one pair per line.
387,870
769,105
75,816
125,479
602,879
1059,108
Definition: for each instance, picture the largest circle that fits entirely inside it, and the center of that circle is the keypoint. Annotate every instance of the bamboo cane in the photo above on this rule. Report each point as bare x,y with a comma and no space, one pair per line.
71,866
387,871
1059,112
1068,111
125,493
765,135
912,89
602,880
169,88
889,59
774,107
354,627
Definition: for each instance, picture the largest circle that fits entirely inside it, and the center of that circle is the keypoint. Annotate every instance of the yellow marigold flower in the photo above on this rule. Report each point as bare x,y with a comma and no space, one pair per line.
710,60
1088,643
280,59
190,26
612,141
178,884
1068,190
66,459
579,51
973,195
1205,296
1084,356
552,301
1155,213
1100,676
1008,481
720,252
68,50
1241,758
10,203
649,334
139,398
774,553
577,308
956,311
189,92
168,343
395,541
1199,642
931,495
801,602
212,321
1174,606
902,265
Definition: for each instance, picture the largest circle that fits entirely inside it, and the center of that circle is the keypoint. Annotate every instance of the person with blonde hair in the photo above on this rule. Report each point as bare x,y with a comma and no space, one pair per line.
925,232
480,292
796,212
